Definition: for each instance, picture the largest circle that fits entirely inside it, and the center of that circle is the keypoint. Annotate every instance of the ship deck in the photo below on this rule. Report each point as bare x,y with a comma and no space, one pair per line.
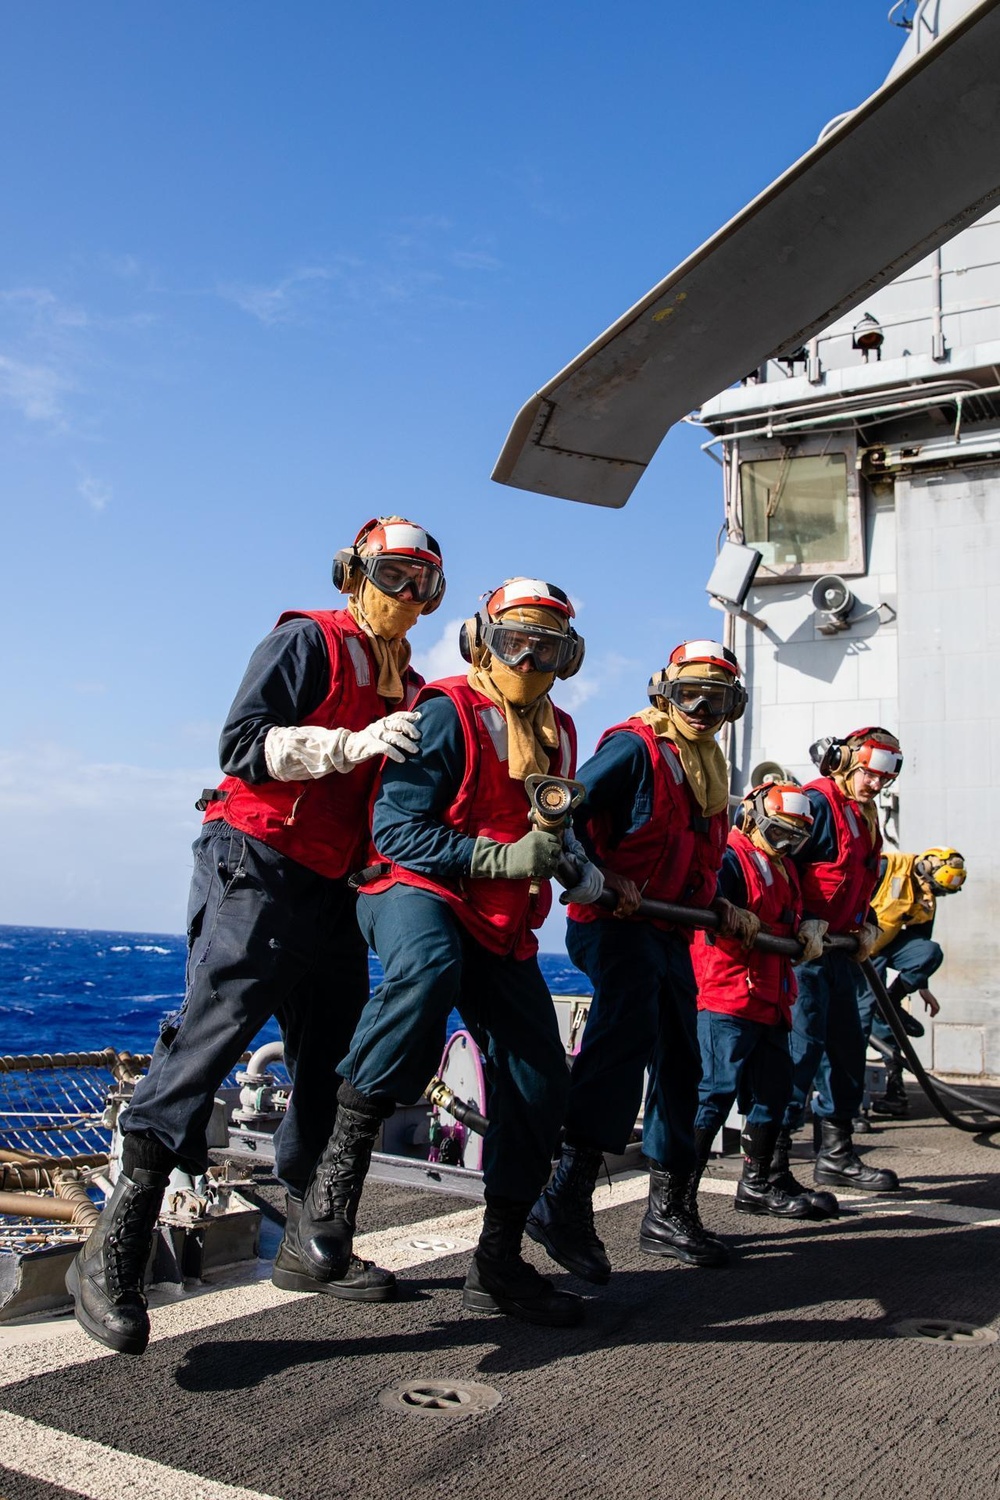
789,1373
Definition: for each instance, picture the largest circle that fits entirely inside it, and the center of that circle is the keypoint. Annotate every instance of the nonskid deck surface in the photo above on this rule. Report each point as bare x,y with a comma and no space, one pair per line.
780,1375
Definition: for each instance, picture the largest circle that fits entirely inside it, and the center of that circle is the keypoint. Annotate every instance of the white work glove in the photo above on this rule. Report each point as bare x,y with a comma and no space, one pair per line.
867,937
590,882
811,934
307,752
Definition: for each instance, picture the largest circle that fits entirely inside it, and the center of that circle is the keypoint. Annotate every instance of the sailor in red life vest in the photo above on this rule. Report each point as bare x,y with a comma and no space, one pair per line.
838,869
272,928
654,821
451,912
745,998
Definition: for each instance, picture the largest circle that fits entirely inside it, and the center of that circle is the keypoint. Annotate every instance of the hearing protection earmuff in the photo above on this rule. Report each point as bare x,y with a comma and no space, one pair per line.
348,560
470,638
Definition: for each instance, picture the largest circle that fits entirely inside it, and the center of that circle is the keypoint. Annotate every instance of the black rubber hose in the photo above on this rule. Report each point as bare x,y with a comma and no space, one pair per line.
708,921
931,1087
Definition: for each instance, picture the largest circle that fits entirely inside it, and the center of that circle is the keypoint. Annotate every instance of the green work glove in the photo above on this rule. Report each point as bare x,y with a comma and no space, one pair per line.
533,857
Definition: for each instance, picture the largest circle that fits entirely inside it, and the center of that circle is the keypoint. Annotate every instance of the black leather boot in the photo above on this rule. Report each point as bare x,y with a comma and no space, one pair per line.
703,1150
838,1164
894,1102
562,1219
363,1281
755,1192
822,1205
500,1280
106,1279
320,1247
671,1227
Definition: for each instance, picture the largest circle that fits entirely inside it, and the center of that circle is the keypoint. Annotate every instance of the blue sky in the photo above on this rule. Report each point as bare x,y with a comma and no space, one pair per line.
268,270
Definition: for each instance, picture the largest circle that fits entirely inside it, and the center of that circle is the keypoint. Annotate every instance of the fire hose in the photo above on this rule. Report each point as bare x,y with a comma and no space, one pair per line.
687,916
553,799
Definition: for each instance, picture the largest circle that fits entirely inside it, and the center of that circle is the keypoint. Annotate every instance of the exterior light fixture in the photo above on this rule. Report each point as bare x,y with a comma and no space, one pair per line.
868,337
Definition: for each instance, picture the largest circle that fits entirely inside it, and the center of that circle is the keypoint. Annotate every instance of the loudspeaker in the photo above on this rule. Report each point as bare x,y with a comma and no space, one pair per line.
834,601
770,770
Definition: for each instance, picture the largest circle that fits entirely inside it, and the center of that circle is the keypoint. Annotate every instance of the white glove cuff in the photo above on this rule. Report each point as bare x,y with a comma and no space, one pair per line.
304,753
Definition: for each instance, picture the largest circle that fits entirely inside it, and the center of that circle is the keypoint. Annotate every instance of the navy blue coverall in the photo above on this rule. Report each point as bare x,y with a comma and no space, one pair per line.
433,965
738,1054
915,957
644,1008
826,1035
266,937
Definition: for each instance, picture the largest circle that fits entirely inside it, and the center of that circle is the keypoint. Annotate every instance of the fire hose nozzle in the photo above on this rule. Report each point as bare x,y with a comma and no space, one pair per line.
440,1095
552,799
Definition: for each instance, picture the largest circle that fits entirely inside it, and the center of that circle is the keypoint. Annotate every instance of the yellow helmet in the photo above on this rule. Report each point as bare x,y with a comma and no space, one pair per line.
943,869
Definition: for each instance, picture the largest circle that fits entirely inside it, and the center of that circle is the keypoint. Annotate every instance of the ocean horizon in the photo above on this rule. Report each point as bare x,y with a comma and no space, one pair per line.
66,989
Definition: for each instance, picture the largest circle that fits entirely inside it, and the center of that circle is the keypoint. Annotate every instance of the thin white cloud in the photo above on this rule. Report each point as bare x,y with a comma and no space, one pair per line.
96,493
104,877
281,303
443,659
73,785
475,260
35,390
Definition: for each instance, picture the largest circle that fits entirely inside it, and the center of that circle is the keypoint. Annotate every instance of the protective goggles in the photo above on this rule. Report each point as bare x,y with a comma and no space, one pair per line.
783,817
392,574
691,695
549,650
879,760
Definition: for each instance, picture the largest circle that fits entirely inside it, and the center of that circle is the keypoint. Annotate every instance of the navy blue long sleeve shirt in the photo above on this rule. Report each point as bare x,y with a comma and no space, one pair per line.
406,821
619,781
286,680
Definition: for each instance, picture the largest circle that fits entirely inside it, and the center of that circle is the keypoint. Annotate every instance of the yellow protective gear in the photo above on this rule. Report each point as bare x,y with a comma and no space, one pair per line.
523,697
943,869
900,900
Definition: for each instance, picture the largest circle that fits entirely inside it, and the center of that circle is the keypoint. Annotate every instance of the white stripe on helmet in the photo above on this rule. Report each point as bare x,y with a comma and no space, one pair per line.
883,760
795,804
400,536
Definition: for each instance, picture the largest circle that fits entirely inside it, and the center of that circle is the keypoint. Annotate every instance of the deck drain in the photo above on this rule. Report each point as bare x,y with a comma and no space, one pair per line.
438,1398
945,1331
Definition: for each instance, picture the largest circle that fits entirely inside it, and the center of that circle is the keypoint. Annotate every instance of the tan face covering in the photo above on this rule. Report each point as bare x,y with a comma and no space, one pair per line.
702,761
385,621
868,810
523,697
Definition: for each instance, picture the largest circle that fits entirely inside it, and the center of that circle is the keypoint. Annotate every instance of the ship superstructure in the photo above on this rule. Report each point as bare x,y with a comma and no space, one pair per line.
865,468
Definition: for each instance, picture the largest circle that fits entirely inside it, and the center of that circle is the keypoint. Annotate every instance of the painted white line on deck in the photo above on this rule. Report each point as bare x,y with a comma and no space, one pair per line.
43,1349
102,1473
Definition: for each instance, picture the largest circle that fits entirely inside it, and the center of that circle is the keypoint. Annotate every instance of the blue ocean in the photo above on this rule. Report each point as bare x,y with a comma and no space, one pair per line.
64,990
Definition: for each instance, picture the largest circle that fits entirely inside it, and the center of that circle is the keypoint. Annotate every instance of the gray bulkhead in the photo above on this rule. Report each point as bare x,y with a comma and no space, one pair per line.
883,468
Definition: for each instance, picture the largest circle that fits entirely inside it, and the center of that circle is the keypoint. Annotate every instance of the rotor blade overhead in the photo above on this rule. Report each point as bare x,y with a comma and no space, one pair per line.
908,169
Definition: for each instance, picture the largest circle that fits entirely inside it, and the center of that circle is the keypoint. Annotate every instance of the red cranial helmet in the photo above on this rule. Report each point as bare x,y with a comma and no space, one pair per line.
396,555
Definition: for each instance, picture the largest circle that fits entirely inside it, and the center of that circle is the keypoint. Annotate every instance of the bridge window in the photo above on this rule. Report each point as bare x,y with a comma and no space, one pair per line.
801,510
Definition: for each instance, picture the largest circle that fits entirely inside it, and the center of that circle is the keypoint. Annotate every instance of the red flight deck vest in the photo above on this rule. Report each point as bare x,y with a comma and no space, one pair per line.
747,983
500,914
322,824
840,890
675,855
